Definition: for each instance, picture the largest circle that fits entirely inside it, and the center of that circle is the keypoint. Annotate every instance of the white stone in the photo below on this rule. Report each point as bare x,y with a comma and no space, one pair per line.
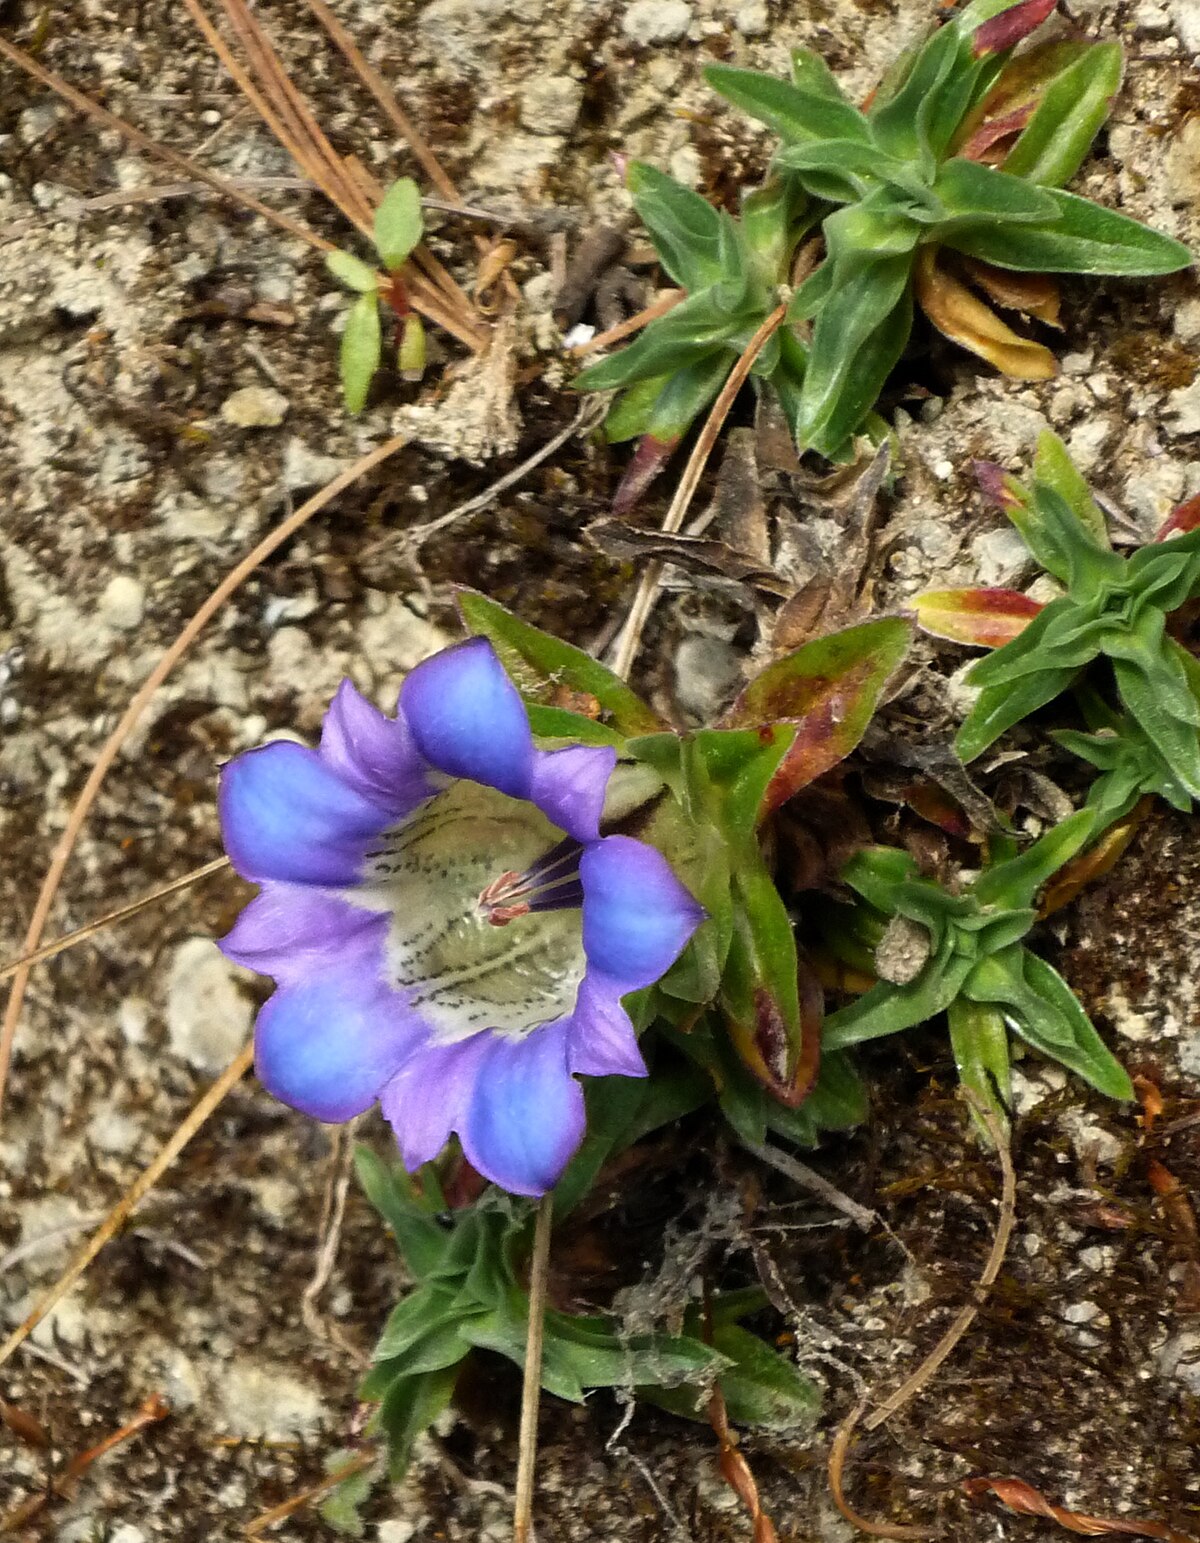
1186,16
305,468
656,21
255,407
751,20
1180,1358
1183,408
123,603
550,104
396,1531
263,1401
1088,440
127,1533
1187,320
208,1014
110,1131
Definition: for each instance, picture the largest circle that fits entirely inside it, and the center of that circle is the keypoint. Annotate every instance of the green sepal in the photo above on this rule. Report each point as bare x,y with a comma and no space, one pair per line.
538,663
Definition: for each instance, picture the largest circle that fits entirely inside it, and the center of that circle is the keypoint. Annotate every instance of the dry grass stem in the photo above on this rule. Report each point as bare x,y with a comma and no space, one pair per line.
924,1373
132,1197
280,1513
531,1386
192,169
626,647
282,533
632,324
808,1178
80,934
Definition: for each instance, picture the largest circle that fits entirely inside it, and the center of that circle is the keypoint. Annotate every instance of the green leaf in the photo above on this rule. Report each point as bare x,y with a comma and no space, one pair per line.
421,1241
1017,882
838,1100
998,708
877,874
1085,238
900,124
1053,468
538,663
794,113
976,195
813,76
684,227
629,415
409,1408
830,689
1046,1014
342,1507
858,338
889,1009
398,223
686,394
838,170
1071,109
362,348
774,1034
763,1388
1160,700
352,272
979,1039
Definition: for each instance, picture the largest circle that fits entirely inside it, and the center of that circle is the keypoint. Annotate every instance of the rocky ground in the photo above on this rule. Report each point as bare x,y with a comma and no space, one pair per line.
167,392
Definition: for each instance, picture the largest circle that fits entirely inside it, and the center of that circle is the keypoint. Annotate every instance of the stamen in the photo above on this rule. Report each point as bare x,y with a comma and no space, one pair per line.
552,883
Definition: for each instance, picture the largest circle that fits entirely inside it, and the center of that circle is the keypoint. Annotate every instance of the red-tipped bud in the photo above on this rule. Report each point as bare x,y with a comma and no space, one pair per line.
994,482
1009,27
648,460
1181,519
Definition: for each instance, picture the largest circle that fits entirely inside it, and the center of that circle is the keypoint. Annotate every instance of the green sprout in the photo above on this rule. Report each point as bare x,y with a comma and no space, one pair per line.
1112,607
398,229
953,172
962,952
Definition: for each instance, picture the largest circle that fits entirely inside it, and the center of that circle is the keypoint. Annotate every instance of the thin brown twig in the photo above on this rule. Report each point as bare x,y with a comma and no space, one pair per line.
531,1386
736,1471
231,190
914,1384
154,1409
625,649
403,124
333,1215
631,324
283,532
89,929
141,1186
352,190
286,1508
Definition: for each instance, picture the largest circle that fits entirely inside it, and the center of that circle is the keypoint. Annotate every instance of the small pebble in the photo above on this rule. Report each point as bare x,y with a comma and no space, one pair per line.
123,603
656,21
255,407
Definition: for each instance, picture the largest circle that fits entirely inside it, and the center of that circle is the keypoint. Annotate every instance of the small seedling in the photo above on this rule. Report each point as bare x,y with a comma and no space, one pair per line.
949,175
1112,607
961,951
398,229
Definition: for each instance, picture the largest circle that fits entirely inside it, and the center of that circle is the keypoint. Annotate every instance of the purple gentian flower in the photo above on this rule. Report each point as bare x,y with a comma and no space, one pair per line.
448,930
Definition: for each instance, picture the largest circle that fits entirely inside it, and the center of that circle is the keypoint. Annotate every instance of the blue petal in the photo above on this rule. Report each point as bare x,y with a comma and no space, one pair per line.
285,814
526,1117
294,930
429,1097
602,1041
568,786
374,754
637,916
327,1045
467,718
